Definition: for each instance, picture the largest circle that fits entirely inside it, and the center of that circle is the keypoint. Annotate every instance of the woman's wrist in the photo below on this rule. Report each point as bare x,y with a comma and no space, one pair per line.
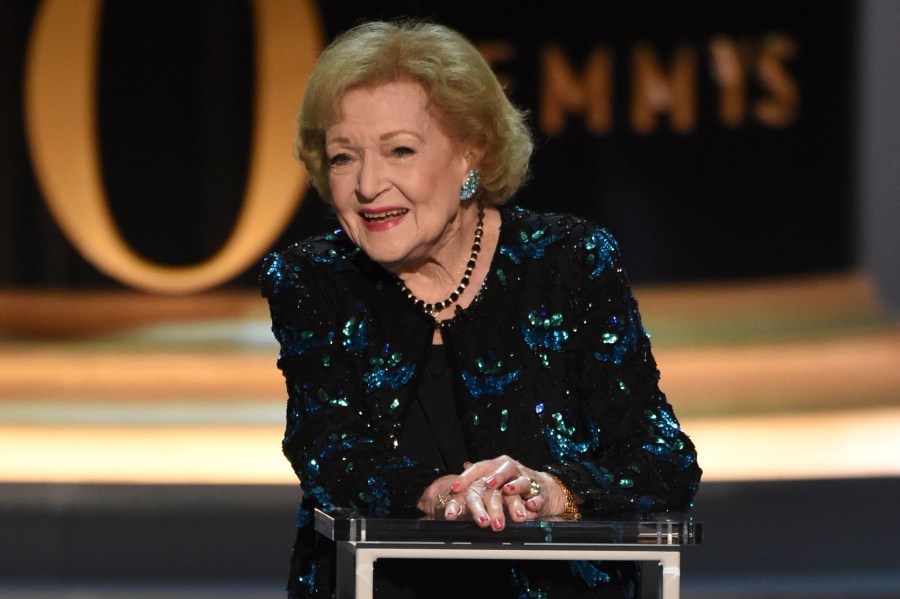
570,509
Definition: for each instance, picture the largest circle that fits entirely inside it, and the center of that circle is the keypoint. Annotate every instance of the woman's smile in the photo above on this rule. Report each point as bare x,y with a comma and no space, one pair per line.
381,219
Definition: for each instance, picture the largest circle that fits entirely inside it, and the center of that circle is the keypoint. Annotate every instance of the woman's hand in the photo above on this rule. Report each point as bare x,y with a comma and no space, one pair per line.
442,503
436,500
491,489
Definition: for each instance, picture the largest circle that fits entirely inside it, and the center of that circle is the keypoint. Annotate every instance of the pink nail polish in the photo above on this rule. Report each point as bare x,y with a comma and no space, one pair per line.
491,482
498,524
511,488
482,519
520,514
455,486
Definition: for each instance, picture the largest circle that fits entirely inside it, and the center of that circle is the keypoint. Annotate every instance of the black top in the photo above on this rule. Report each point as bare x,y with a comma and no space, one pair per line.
431,433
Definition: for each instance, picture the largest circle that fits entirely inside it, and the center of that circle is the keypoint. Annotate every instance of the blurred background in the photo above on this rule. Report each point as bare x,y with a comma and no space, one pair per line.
744,154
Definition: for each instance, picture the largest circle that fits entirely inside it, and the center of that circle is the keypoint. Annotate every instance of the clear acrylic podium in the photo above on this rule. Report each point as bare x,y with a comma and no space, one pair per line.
361,540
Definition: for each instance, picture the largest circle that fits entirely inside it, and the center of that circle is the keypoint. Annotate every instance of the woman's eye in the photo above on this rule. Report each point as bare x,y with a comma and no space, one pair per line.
339,159
403,151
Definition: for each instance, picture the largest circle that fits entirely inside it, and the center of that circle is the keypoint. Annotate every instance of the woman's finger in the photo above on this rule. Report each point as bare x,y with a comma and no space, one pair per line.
507,469
496,472
515,507
454,510
476,503
494,502
469,476
524,486
535,504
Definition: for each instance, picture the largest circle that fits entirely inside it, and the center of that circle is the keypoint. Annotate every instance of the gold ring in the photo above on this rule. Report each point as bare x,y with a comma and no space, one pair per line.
535,489
440,503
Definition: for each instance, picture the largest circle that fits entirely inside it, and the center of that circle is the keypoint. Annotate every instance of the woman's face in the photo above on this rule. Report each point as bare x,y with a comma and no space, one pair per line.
394,175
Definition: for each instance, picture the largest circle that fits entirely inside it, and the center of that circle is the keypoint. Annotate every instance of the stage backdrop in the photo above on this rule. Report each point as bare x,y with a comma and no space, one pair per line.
146,143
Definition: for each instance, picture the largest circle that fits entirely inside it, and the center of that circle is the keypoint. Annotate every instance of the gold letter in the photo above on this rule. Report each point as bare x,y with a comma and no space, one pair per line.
780,109
654,93
563,94
731,77
61,128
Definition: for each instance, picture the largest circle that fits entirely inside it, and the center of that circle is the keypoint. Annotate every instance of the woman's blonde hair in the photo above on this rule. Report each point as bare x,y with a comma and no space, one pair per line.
465,97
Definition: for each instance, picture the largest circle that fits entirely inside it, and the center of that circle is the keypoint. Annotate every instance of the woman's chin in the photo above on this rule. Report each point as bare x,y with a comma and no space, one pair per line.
390,259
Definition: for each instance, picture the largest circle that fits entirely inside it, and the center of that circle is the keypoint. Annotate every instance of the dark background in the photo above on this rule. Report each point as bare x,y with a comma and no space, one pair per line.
718,202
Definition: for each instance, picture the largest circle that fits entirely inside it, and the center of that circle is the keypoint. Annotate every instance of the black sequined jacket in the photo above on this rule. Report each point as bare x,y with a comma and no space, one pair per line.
552,367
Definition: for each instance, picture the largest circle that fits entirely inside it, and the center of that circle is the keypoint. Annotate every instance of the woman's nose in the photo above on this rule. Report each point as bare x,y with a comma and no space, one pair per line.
371,181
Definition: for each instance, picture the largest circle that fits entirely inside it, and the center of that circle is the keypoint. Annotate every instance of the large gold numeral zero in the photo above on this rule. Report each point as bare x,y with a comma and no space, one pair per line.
61,130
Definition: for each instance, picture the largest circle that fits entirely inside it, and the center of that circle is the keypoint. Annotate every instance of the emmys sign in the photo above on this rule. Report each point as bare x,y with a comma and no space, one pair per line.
678,136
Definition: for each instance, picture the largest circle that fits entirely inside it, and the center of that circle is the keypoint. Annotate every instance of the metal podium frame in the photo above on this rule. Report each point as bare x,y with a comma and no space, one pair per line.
361,540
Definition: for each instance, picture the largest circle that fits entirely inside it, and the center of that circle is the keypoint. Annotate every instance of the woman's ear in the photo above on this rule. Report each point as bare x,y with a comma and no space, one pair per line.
473,156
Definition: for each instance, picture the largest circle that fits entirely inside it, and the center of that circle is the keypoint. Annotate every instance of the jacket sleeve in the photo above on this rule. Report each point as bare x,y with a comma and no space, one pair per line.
632,454
342,455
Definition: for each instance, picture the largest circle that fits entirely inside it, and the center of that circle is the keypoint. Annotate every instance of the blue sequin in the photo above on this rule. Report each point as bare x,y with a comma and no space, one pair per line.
530,246
543,331
670,454
561,425
293,345
378,497
617,345
335,401
391,377
663,421
304,516
318,401
332,256
489,384
589,573
561,446
535,338
491,379
600,474
602,250
320,495
525,590
389,371
355,339
309,579
281,276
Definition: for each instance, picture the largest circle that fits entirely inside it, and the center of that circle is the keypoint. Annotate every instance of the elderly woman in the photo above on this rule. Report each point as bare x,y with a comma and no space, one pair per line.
446,354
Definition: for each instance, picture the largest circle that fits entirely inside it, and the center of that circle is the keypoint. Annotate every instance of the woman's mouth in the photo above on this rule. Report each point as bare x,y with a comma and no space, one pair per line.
385,215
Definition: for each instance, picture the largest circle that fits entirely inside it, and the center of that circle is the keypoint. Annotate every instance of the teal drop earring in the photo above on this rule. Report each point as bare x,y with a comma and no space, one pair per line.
469,186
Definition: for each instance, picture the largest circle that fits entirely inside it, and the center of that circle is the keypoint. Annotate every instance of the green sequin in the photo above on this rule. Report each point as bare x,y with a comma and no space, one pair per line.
561,425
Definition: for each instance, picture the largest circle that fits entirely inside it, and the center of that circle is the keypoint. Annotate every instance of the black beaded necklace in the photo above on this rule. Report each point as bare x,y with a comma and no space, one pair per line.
433,309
